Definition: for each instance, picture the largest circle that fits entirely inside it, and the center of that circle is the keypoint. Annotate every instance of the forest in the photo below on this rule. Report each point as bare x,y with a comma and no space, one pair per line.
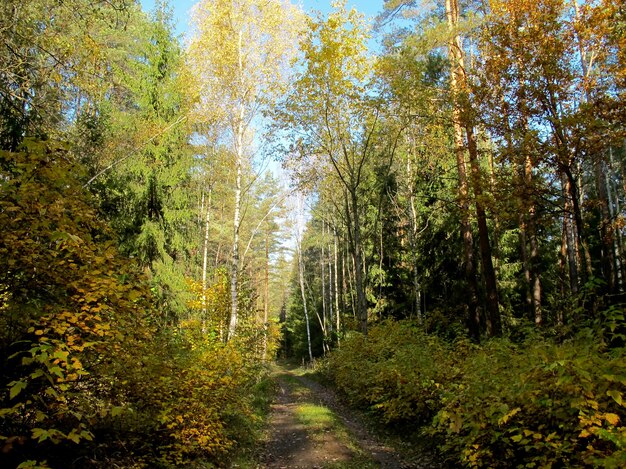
426,209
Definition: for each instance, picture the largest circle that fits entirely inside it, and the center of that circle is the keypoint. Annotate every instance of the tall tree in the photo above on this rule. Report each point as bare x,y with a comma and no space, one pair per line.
238,53
465,137
151,167
301,269
332,121
46,81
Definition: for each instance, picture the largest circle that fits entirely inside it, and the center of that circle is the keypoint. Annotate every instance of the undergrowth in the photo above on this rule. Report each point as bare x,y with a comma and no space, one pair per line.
501,404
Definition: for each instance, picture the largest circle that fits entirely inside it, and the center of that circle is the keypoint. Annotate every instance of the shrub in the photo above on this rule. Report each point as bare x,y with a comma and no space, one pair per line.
87,377
539,405
534,404
397,372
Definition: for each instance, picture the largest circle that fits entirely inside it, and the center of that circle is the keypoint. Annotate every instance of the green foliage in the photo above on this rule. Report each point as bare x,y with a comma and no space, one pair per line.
535,404
143,180
45,75
188,406
397,372
541,405
67,304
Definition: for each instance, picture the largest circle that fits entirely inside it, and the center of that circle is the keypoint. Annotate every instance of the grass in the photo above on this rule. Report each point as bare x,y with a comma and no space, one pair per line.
319,420
359,462
410,444
316,418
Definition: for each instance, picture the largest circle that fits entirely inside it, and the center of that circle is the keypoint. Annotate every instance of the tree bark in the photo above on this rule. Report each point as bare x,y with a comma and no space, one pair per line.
331,312
337,291
533,260
413,241
581,244
606,226
239,136
304,304
323,272
456,76
236,225
614,208
607,235
266,304
562,267
494,325
568,228
205,254
359,269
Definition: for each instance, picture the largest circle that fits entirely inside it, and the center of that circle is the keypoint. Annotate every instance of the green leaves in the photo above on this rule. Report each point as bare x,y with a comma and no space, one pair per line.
616,395
540,404
15,387
52,434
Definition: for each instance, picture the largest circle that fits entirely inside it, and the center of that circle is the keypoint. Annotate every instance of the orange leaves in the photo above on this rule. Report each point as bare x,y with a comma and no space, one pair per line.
213,303
592,423
88,356
194,398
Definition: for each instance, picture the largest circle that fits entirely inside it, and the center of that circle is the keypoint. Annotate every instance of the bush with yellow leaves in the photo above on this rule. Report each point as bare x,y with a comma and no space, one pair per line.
88,379
534,404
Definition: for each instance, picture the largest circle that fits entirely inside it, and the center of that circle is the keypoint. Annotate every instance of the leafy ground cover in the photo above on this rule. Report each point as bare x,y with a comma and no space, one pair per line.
538,403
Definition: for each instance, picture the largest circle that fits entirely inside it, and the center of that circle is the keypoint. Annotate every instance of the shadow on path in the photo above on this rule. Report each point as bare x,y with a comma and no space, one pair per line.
337,439
293,443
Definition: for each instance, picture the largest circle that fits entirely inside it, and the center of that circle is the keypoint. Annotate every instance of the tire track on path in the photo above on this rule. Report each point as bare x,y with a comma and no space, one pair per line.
310,428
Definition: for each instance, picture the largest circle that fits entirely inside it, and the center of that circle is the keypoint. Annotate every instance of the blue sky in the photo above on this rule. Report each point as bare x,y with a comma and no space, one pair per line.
181,8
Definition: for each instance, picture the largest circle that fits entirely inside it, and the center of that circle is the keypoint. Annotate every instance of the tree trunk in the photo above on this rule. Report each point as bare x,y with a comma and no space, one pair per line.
462,114
562,262
614,208
205,255
456,59
496,219
349,285
304,304
323,272
606,226
534,266
413,240
581,244
359,268
523,242
266,303
568,228
235,258
349,252
533,260
337,292
237,217
494,325
331,316
607,234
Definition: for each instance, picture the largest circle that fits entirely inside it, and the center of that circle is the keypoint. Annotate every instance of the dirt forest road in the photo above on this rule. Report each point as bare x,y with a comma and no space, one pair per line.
310,428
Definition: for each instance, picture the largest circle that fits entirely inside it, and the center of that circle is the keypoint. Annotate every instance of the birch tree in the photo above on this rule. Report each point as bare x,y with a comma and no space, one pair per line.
333,123
239,55
299,237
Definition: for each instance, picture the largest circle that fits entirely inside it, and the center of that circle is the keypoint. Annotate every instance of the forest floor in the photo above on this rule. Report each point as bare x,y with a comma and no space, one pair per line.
309,427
